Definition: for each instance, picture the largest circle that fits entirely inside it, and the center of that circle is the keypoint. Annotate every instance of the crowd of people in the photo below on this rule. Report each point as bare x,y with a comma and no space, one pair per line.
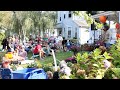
41,46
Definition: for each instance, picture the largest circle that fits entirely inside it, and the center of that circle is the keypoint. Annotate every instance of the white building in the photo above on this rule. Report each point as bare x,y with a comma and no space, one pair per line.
71,26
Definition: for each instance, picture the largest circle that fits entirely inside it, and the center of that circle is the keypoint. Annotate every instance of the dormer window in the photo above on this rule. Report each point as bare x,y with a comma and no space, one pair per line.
70,14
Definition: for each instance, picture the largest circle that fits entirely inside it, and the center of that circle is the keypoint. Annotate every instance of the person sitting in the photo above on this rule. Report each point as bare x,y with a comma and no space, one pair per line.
10,49
17,56
53,47
23,53
38,51
27,47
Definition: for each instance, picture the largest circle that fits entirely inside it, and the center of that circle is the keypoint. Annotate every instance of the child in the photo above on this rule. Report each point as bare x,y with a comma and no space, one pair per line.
50,74
68,45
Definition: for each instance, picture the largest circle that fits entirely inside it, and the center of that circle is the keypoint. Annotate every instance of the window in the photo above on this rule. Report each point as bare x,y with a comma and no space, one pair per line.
64,16
75,32
60,18
69,32
60,32
70,14
64,30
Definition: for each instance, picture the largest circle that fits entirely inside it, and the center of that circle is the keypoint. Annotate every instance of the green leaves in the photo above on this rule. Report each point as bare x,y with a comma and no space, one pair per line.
81,58
116,71
26,22
88,18
2,36
96,65
97,52
85,55
107,56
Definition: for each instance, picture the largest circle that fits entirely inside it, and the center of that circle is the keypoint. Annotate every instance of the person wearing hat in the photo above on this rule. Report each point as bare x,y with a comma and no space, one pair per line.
106,35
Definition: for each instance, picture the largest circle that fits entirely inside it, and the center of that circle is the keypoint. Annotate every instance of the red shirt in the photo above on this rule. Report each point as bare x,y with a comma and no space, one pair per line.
37,48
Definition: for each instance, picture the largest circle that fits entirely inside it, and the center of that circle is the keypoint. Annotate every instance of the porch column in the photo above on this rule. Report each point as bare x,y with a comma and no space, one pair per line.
119,16
109,23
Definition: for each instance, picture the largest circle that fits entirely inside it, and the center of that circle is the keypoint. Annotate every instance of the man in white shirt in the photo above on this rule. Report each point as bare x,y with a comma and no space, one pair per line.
57,40
60,37
60,42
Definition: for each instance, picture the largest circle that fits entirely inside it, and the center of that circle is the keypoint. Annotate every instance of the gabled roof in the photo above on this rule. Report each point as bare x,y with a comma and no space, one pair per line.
80,23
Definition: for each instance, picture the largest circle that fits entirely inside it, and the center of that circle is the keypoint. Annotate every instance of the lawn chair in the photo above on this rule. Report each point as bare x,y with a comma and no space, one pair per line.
34,56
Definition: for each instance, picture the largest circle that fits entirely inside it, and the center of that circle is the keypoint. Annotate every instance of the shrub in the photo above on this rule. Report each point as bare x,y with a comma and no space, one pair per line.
71,59
47,67
75,49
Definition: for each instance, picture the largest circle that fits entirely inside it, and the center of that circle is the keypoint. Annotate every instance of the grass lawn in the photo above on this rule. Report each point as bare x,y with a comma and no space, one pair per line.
49,59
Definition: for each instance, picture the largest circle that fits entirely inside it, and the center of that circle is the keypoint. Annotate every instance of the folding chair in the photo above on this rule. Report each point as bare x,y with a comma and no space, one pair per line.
34,56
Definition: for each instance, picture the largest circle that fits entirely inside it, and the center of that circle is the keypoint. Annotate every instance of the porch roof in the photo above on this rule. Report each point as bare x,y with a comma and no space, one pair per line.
59,25
81,23
112,16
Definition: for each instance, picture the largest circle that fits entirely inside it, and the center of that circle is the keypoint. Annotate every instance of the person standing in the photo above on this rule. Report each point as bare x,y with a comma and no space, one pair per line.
60,41
5,43
106,36
63,43
57,42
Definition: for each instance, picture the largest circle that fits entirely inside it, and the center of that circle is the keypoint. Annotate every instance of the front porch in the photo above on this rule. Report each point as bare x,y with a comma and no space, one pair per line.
59,27
111,16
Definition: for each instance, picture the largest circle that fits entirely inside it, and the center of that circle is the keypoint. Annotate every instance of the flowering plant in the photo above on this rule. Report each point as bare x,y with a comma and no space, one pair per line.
71,59
75,49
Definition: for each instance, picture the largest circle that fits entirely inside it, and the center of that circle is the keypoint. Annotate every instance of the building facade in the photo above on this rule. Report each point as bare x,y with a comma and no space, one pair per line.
71,26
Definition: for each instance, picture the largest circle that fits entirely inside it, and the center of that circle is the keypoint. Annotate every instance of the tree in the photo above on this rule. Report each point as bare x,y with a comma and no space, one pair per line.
23,23
5,21
88,19
49,20
92,12
19,17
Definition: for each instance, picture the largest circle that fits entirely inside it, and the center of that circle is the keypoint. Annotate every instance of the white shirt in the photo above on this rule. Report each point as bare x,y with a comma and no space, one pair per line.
60,38
57,40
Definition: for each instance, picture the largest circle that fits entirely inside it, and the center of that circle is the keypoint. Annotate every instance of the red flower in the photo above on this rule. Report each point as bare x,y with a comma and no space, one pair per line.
117,26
